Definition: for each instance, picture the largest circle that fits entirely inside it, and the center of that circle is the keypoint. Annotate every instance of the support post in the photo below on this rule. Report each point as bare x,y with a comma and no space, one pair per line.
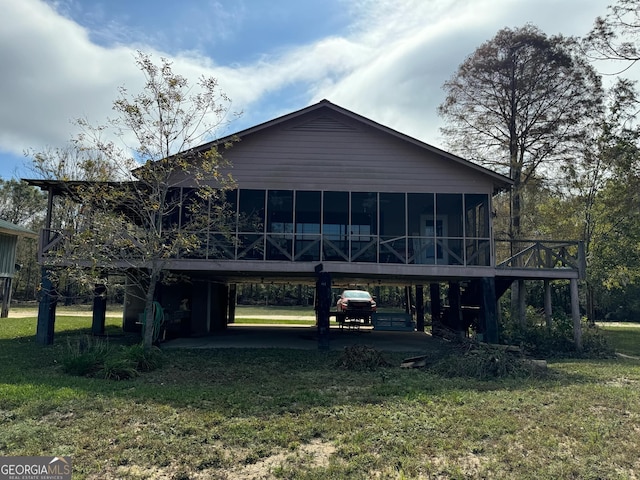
218,307
547,303
233,299
522,304
575,314
407,299
200,308
6,297
436,307
489,310
323,306
99,309
419,308
455,308
46,309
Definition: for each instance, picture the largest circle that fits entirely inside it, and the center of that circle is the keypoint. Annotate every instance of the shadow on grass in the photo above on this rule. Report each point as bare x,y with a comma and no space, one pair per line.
625,339
241,381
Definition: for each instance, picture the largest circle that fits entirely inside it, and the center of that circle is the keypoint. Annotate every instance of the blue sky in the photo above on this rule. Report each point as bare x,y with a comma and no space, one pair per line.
384,59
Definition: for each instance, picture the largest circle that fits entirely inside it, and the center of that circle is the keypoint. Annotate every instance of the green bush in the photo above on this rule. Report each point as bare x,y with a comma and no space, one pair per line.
558,342
85,356
94,357
144,360
118,368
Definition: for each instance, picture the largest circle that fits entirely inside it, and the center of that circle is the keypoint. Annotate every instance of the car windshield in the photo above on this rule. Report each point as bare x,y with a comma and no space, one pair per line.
356,294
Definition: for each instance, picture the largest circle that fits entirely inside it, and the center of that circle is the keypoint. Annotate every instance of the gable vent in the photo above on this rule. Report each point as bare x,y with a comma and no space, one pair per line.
324,124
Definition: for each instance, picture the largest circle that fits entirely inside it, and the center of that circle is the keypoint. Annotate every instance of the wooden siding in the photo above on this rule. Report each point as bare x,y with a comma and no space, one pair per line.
323,150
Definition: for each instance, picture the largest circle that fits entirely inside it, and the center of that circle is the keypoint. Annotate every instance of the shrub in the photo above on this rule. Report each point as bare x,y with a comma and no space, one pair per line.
93,357
85,356
556,341
118,368
361,357
144,360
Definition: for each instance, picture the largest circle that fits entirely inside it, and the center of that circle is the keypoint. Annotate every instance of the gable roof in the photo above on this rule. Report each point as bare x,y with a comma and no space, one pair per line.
501,181
13,229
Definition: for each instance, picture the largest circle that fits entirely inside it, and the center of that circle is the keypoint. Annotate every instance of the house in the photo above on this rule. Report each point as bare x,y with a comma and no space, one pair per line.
9,234
338,199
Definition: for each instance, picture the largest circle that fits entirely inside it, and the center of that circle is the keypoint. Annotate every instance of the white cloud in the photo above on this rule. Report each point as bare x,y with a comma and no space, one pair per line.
52,74
389,65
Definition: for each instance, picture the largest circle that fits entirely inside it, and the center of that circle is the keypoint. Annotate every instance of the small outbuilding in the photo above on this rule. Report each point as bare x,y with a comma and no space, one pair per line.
9,234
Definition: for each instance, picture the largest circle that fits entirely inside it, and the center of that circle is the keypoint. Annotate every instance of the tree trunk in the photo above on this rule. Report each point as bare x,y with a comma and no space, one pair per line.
591,307
149,327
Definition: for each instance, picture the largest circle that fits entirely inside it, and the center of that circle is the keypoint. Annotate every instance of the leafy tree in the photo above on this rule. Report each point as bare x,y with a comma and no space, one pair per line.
520,104
129,224
21,203
599,200
615,38
615,248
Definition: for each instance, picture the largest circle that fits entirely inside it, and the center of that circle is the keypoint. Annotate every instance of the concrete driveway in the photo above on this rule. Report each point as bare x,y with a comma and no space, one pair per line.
305,337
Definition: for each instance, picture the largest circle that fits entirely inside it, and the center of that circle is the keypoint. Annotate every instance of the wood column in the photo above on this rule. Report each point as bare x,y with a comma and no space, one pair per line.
575,314
455,308
436,306
46,309
419,308
407,299
99,309
323,307
218,307
547,303
200,308
233,300
522,303
6,297
489,310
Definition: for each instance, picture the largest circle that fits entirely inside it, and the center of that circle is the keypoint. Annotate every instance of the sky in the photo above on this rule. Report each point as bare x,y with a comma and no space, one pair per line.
384,59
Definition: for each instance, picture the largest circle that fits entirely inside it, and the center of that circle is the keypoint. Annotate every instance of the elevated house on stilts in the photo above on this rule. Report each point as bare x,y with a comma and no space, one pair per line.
340,200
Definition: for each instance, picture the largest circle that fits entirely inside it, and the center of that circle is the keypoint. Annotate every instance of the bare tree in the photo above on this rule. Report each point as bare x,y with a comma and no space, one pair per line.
616,36
140,219
520,104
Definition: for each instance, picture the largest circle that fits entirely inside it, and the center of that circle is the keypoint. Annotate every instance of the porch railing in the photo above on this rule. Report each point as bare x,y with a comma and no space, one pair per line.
509,254
541,254
48,243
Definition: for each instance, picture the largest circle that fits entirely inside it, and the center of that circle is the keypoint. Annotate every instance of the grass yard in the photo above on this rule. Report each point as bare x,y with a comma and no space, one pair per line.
292,414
